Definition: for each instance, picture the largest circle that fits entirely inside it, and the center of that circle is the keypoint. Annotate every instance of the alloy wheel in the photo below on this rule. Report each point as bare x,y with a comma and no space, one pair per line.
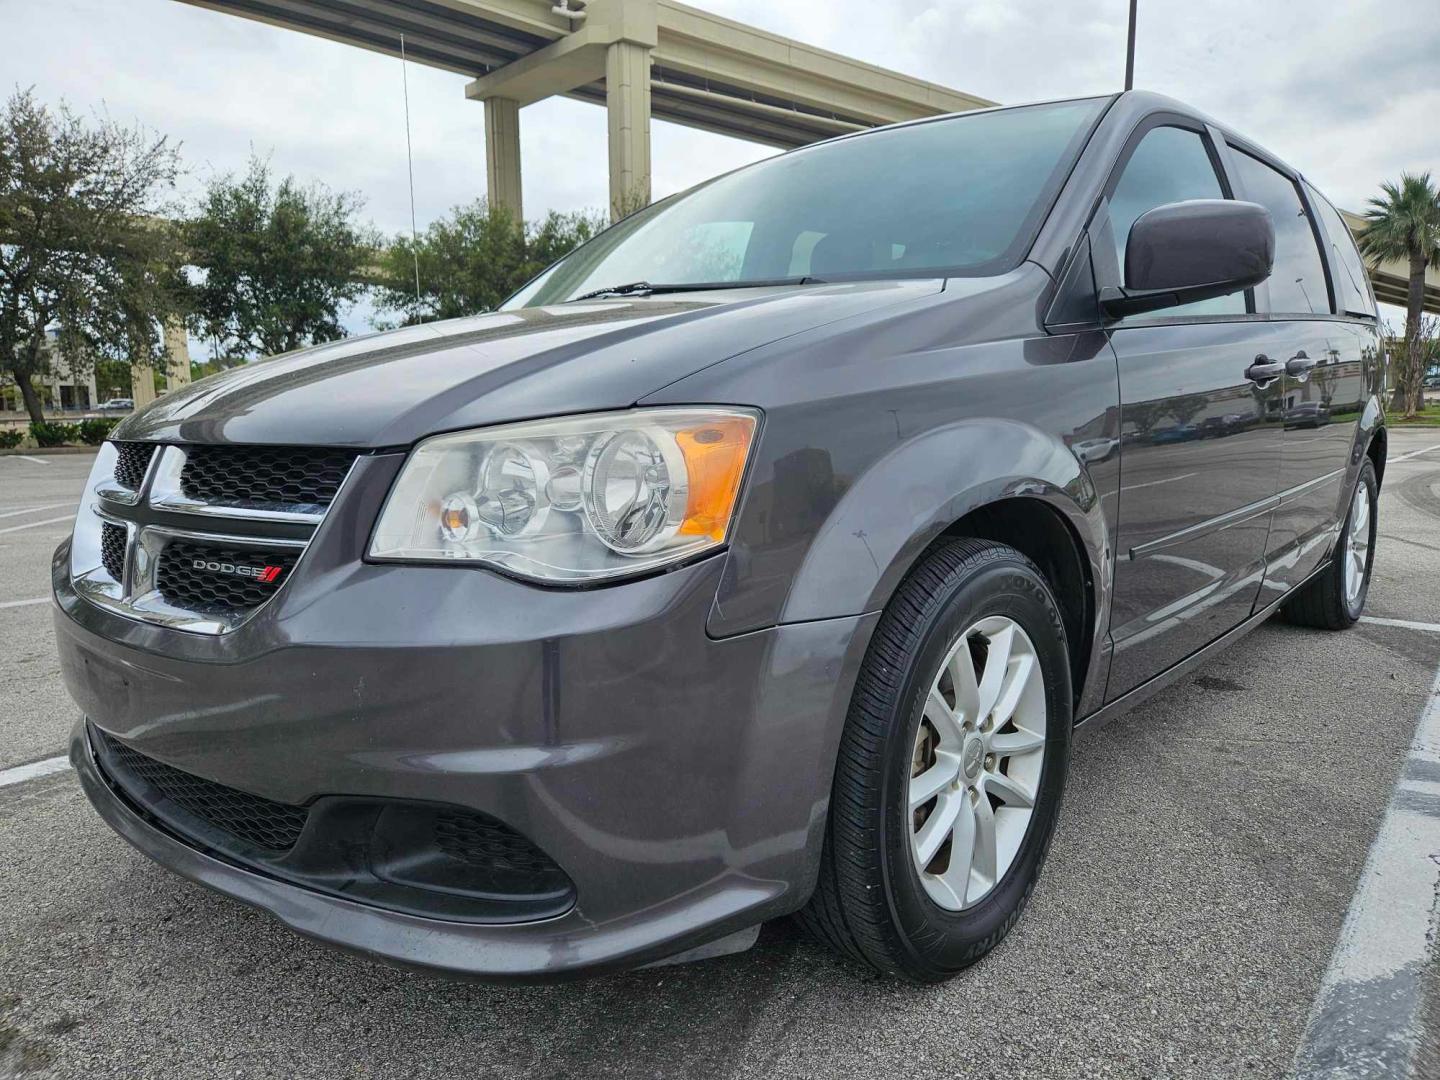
1357,543
976,764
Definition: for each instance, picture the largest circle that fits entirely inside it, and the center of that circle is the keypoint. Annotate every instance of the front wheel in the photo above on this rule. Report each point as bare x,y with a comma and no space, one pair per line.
951,767
1335,599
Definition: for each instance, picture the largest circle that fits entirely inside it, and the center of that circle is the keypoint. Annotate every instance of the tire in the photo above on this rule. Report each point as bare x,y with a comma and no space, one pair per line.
873,902
1325,601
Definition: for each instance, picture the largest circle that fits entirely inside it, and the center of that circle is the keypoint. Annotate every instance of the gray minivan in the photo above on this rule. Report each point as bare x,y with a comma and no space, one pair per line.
763,556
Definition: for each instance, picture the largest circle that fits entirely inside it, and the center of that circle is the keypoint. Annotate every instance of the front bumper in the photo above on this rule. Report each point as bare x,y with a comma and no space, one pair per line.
680,781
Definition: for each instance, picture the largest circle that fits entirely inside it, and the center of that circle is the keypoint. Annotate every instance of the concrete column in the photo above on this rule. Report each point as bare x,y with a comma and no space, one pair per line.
502,155
177,354
142,384
627,98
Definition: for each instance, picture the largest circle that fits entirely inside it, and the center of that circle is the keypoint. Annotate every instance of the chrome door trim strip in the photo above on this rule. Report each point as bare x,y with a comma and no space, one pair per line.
1222,521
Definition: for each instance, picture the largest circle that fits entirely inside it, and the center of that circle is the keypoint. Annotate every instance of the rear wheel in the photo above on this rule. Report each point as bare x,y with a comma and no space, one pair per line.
951,767
1335,599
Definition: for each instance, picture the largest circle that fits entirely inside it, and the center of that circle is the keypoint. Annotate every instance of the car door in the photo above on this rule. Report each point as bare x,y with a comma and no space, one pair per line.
1324,382
1202,428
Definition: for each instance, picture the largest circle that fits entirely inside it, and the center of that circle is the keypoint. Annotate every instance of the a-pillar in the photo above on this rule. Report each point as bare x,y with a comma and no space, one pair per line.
502,155
627,99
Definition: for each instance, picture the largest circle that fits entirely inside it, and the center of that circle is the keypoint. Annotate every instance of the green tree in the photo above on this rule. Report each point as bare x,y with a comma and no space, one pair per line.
89,269
474,258
1404,224
277,263
1187,407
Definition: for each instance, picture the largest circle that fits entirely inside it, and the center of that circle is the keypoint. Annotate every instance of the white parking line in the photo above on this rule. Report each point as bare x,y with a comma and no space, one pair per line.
1406,624
32,460
37,524
35,509
1368,1016
24,603
1413,453
1156,483
21,773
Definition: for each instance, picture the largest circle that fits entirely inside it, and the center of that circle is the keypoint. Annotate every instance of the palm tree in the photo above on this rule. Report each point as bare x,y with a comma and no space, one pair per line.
1405,225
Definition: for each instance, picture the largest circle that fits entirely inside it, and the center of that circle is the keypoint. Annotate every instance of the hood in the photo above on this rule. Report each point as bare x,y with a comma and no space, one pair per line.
393,388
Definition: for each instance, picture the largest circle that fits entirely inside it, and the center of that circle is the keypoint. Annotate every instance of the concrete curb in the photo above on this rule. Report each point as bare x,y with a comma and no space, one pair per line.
1368,1019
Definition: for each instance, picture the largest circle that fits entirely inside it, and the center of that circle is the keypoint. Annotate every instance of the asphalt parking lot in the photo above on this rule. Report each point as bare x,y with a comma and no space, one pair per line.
1209,849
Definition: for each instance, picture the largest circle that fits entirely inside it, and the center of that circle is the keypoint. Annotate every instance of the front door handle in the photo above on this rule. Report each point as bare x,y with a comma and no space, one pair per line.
1264,370
1299,365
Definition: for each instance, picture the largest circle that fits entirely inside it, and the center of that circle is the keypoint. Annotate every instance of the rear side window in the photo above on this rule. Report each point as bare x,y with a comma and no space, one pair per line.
1297,284
1169,164
1352,283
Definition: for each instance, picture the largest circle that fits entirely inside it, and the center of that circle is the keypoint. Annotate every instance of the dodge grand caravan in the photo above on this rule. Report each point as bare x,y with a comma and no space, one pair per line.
762,556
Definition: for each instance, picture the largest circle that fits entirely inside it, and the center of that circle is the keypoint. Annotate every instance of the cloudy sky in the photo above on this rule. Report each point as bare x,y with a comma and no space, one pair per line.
1346,92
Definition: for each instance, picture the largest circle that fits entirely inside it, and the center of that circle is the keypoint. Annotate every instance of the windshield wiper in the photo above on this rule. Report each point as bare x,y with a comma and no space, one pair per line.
615,290
644,288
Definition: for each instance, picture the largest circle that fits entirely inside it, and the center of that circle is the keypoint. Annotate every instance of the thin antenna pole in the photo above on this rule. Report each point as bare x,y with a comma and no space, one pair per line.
410,164
1130,50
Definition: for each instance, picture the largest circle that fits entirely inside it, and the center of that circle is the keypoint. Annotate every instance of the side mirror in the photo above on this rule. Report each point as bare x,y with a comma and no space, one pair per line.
1195,250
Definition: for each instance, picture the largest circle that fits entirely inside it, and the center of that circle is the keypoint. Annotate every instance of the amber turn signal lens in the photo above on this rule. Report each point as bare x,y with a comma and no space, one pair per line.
715,455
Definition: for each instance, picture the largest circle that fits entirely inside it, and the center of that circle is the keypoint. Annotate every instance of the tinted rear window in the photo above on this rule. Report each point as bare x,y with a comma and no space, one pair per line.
1353,283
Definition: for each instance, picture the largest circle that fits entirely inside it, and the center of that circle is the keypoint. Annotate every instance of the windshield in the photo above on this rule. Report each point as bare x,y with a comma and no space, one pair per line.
961,195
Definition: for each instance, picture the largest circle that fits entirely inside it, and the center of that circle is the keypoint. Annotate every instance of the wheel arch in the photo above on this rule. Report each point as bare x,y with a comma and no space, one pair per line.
1377,450
1049,539
992,479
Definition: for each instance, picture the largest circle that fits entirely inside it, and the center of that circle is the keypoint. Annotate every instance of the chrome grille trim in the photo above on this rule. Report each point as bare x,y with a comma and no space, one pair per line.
167,493
138,595
97,583
141,598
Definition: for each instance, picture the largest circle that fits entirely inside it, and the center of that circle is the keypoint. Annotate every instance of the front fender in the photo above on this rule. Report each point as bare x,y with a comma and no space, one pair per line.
908,497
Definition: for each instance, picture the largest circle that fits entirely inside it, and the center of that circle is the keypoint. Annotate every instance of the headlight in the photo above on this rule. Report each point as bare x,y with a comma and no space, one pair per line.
572,500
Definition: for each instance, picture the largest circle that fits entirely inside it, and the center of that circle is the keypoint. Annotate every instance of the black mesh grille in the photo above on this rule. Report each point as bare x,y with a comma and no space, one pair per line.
483,842
261,477
206,578
112,549
258,822
132,459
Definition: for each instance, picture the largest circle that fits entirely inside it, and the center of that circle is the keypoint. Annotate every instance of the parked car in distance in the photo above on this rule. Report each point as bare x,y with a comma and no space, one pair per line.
119,404
763,556
1091,451
1174,433
1307,414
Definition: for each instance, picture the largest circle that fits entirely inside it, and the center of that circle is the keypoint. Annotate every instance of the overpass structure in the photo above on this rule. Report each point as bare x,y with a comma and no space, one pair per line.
637,58
641,59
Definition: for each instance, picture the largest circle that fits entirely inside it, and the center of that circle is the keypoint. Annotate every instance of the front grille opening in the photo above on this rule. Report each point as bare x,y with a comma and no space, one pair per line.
112,549
462,852
264,477
494,848
257,822
210,579
132,459
422,858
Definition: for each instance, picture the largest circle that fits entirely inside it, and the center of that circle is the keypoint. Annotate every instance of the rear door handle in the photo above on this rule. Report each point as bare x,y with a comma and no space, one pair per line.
1264,370
1299,365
